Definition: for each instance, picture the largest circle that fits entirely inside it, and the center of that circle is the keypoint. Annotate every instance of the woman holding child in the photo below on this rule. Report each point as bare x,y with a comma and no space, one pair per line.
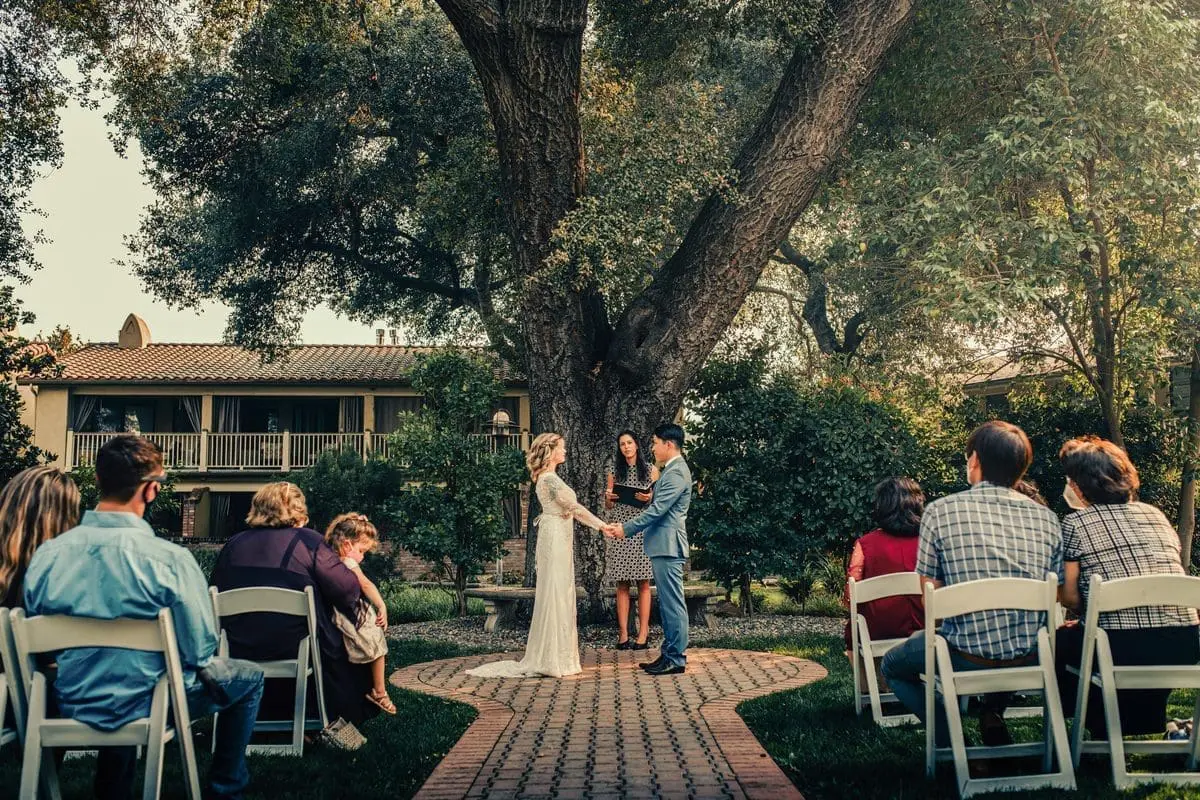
280,550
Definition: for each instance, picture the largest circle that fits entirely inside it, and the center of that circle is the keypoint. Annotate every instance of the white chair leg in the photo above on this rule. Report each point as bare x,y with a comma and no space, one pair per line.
32,761
301,698
1194,751
155,747
1053,722
950,702
1112,714
212,748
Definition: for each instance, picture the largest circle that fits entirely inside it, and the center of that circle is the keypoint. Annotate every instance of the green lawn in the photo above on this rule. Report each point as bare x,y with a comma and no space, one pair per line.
811,732
830,753
400,752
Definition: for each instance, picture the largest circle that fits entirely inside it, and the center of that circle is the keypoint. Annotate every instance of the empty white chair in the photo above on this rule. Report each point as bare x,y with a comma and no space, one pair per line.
49,634
985,595
865,652
306,663
1105,596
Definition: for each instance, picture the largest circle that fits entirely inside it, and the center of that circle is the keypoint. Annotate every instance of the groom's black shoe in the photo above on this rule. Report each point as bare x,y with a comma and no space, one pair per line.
666,669
649,665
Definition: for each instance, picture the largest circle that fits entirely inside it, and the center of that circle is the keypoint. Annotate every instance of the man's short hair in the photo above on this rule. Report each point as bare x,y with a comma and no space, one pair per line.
123,463
1003,450
1101,470
670,432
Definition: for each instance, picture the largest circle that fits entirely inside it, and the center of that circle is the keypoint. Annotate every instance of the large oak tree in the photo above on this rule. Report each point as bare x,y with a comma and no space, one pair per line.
364,214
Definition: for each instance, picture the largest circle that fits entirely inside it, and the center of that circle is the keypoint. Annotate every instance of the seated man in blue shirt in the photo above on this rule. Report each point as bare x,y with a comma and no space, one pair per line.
113,566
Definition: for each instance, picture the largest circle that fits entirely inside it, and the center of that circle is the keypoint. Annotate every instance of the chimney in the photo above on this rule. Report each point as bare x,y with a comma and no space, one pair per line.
134,333
393,336
379,336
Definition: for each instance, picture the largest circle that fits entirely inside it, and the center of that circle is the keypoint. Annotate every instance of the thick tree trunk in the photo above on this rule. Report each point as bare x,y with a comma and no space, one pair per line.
588,381
1191,463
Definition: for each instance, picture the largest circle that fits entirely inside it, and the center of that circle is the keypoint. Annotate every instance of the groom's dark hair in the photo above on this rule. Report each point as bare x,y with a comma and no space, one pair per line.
670,432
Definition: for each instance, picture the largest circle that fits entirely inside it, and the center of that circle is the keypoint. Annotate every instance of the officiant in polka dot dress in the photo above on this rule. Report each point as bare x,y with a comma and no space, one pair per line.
630,488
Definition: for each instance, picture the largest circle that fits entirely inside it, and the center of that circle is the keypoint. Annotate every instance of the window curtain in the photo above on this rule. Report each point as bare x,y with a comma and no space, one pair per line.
351,415
229,418
85,406
389,409
191,406
222,524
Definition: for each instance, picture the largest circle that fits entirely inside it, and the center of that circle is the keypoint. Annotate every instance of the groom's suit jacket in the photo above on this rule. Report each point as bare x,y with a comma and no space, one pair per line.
665,519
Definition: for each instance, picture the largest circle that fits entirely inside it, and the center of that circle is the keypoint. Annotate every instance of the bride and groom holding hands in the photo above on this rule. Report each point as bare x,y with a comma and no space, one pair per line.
552,648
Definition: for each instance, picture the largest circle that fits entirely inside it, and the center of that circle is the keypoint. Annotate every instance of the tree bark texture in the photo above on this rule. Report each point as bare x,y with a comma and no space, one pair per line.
1191,464
589,379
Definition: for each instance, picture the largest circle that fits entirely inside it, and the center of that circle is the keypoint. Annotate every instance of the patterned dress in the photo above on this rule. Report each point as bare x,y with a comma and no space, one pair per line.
626,559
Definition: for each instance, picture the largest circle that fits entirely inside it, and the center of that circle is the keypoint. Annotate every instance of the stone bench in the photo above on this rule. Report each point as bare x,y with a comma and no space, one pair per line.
500,602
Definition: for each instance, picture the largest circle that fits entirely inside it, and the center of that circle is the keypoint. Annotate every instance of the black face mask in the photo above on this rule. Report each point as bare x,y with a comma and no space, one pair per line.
148,500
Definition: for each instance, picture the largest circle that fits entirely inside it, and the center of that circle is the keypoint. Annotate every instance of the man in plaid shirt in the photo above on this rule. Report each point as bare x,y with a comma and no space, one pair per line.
988,531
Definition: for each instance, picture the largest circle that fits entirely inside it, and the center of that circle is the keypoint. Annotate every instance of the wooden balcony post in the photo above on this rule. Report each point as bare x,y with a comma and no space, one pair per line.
287,451
366,444
204,450
70,456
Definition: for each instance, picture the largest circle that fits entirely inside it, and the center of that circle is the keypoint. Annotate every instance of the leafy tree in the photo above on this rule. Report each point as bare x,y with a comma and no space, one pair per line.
450,512
340,151
1068,209
341,481
38,40
18,358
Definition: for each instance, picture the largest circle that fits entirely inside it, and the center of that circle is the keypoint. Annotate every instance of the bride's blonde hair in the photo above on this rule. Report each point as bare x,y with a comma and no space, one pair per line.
538,457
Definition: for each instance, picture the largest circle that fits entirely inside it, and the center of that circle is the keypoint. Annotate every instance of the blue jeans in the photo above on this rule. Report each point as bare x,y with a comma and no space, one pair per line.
902,667
668,580
242,681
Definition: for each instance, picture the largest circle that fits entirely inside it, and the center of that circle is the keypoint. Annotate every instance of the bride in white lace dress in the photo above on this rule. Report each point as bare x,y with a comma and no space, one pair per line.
552,648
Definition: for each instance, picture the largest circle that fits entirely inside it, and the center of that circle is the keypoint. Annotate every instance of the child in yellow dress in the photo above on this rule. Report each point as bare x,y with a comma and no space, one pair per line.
352,536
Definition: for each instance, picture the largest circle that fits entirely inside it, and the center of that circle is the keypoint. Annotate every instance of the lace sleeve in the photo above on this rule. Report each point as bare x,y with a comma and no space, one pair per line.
557,497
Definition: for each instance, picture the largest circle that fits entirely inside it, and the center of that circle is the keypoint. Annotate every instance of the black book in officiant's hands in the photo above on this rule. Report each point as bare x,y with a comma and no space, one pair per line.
625,494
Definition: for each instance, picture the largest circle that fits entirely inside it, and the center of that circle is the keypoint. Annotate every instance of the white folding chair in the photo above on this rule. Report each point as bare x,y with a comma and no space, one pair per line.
12,693
1105,596
306,663
865,652
1022,594
50,634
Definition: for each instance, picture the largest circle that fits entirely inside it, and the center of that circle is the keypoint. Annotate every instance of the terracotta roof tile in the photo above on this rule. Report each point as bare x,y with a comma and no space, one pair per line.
224,364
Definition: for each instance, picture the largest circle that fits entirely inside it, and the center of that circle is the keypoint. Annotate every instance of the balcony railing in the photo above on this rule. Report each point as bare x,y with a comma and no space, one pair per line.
260,452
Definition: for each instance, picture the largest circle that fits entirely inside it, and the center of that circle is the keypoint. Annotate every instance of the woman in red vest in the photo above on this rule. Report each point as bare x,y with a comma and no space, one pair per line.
891,547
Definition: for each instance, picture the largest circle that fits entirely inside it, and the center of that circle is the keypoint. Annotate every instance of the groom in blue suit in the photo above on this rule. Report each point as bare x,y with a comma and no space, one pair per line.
665,540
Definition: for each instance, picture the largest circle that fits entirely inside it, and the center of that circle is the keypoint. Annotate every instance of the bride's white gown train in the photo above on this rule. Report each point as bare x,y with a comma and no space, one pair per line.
552,648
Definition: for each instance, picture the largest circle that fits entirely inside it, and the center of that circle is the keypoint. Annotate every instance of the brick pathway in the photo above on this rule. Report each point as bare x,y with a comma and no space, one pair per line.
612,731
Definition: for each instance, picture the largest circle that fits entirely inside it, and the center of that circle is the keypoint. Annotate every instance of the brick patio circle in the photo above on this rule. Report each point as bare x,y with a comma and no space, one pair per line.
611,731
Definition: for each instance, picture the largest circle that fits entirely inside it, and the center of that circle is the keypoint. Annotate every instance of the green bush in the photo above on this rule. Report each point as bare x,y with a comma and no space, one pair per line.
788,471
422,604
206,557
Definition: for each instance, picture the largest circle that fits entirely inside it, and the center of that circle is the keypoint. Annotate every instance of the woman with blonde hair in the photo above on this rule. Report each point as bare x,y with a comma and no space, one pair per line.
280,550
552,648
35,506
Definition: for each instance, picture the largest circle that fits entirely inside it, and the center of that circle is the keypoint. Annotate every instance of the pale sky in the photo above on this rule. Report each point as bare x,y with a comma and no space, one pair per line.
91,204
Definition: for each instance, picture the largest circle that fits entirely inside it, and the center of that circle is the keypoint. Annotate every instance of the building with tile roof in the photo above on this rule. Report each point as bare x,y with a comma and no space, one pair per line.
227,422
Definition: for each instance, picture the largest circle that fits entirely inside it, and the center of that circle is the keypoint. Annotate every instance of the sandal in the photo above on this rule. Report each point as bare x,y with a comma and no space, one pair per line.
383,702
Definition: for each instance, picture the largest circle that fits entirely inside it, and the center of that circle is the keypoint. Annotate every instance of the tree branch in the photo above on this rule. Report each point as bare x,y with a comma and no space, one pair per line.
681,315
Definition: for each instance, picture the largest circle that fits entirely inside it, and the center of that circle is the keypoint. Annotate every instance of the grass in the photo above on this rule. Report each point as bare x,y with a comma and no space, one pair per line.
829,753
422,603
400,753
772,600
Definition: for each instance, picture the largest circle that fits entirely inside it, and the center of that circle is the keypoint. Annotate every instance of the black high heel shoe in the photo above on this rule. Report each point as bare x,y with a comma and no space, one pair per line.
625,645
643,646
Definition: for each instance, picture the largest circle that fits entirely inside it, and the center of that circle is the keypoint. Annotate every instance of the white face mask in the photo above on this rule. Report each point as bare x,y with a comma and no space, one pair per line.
1072,498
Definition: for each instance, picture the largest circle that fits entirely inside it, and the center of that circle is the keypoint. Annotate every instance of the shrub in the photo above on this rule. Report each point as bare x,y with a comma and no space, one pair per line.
421,604
450,511
788,471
